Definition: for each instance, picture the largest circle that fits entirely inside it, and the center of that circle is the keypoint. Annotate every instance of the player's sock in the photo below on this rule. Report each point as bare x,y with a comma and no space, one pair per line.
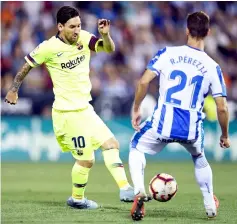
115,167
137,164
79,180
203,174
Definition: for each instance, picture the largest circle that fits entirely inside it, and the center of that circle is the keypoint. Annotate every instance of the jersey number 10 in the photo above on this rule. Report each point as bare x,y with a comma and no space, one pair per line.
196,81
79,143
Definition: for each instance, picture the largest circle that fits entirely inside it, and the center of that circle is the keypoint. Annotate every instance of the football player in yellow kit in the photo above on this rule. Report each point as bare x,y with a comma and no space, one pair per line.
77,127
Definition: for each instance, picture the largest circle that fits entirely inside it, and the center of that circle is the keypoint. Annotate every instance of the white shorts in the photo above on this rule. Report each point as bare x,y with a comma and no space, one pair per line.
150,142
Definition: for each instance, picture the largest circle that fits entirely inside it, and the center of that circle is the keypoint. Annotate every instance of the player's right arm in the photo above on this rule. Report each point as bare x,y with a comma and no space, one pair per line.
12,94
153,69
219,93
38,56
140,94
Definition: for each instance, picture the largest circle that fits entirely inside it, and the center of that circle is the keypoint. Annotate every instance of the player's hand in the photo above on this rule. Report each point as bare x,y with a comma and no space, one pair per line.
103,26
224,142
11,97
136,119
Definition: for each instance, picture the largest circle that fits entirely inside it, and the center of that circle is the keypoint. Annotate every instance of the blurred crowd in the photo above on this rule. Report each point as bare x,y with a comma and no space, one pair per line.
139,30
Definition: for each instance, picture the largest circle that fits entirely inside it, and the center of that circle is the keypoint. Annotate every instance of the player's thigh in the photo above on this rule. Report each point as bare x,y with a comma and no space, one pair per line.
146,140
73,134
85,155
101,134
197,147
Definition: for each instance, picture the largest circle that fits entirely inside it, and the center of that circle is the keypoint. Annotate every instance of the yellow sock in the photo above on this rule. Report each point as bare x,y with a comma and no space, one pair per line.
115,167
79,180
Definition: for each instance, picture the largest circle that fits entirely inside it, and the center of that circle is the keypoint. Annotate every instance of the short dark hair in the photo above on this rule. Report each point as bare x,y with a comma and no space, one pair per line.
65,13
198,24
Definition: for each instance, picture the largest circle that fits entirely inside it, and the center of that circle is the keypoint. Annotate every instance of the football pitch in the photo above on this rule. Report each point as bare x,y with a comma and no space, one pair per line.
37,193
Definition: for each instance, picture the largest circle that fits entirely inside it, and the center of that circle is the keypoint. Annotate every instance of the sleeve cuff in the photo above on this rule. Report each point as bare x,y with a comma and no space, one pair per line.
154,70
93,43
31,61
218,94
97,43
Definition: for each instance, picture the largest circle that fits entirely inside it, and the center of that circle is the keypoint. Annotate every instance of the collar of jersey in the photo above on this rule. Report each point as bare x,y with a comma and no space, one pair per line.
194,48
57,36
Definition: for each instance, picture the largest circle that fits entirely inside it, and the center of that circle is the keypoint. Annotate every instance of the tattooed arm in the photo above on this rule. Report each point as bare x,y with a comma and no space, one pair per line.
12,94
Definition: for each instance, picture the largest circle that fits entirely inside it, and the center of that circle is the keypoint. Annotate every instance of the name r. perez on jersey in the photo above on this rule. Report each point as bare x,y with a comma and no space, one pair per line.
73,63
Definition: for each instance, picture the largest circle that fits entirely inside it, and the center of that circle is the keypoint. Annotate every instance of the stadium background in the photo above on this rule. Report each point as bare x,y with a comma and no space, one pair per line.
35,175
138,29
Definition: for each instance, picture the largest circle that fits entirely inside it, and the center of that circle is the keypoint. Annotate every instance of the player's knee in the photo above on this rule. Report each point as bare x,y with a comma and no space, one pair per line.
86,163
200,160
112,143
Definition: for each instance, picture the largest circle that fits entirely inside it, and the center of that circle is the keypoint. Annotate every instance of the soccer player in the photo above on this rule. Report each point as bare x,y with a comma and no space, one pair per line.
77,127
186,73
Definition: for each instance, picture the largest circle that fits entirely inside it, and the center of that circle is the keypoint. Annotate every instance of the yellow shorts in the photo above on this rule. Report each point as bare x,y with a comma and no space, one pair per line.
80,132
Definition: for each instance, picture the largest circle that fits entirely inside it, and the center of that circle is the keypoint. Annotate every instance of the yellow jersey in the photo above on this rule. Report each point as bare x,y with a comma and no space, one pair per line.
68,66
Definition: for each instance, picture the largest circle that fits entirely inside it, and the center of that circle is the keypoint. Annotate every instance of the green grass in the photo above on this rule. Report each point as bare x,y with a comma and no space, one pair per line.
37,193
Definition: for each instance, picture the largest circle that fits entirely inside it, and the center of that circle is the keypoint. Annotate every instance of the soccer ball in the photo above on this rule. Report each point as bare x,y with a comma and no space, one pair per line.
163,187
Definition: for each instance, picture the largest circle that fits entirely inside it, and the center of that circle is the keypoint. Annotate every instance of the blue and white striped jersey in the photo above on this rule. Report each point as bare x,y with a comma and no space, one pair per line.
186,74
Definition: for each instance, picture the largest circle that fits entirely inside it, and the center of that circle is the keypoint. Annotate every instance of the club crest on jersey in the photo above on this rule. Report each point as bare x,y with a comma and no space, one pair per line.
79,46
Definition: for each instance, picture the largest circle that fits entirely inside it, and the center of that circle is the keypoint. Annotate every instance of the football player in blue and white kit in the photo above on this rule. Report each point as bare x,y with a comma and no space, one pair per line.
186,74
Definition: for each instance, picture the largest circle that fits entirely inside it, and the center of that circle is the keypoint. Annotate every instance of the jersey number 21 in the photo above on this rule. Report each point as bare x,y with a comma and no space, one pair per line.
196,81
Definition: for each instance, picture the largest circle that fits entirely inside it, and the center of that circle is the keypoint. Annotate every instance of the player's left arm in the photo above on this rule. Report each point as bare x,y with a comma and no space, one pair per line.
12,94
219,93
105,44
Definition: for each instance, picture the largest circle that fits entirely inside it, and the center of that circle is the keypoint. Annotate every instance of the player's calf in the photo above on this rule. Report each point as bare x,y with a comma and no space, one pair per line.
116,168
80,176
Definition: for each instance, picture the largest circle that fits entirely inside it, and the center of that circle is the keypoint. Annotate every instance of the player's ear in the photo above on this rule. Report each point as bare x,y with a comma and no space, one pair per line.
187,31
209,32
60,27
